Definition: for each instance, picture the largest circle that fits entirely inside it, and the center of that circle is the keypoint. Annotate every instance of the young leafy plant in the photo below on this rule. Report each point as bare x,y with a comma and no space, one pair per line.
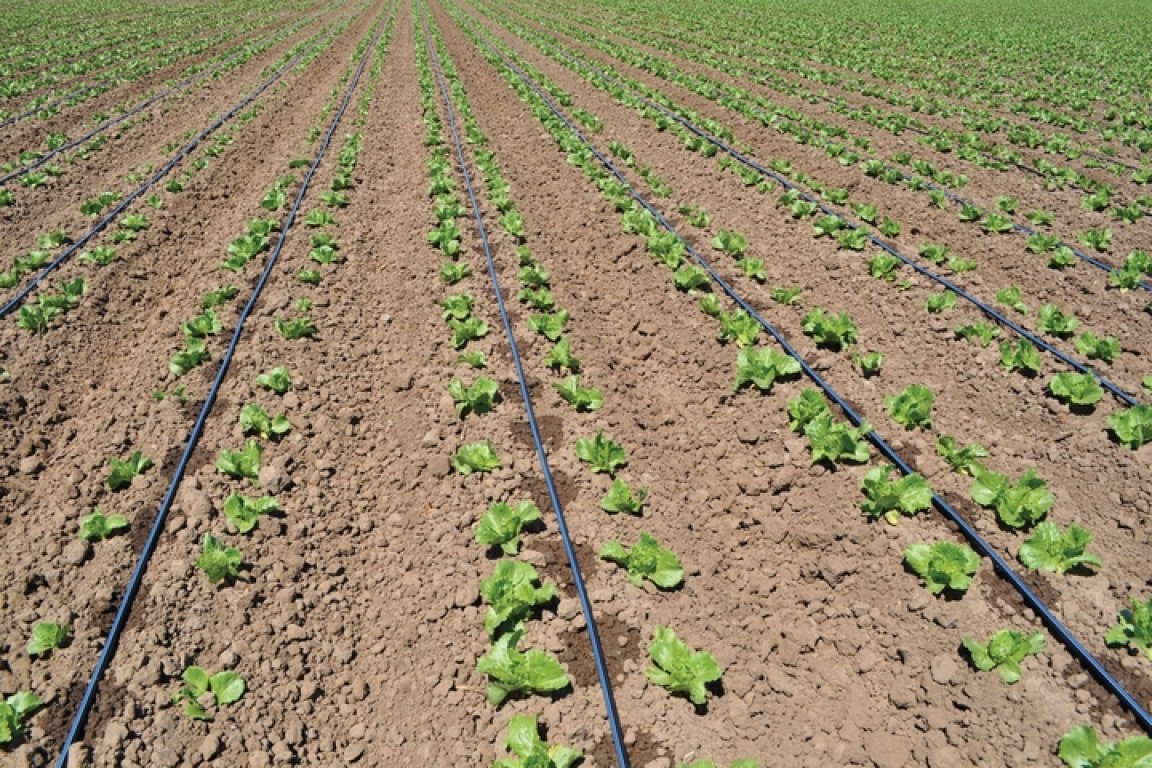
241,464
479,397
1097,348
1134,627
943,565
980,331
580,398
277,380
911,408
678,668
475,457
195,353
883,266
962,460
830,331
646,560
868,364
14,711
601,453
561,357
788,296
1011,297
244,512
1017,506
1003,652
511,671
512,596
1080,748
1132,427
474,358
1077,389
123,470
502,525
98,526
466,330
255,420
452,273
297,328
219,297
225,687
550,326
891,499
532,751
738,326
732,243
762,367
46,637
690,278
1050,549
621,498
1022,356
940,301
219,563
1052,320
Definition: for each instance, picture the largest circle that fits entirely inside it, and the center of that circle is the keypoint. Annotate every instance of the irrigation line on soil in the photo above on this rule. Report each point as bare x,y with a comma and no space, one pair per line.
14,303
1001,566
1028,232
605,680
133,586
984,307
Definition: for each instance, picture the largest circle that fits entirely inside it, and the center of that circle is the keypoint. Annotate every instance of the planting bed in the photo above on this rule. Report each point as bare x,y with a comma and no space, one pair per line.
356,280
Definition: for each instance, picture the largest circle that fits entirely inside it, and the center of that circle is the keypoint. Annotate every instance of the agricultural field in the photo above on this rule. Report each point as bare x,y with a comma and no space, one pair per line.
539,384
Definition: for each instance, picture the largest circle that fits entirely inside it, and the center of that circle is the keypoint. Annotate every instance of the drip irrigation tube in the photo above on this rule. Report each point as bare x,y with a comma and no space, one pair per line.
614,724
134,581
1021,228
984,307
1001,566
14,303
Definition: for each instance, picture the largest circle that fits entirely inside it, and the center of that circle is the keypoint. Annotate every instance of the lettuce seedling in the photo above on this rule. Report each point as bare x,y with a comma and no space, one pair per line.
621,498
464,331
446,237
561,357
456,307
524,741
732,243
1062,258
852,239
943,565
1132,427
100,256
123,470
334,199
241,464
869,364
244,512
46,637
480,397
98,526
911,408
513,224
690,278
219,297
969,212
510,671
474,358
14,711
753,268
1022,356
788,296
996,223
940,301
762,367
1017,506
309,276
1079,748
33,319
1100,239
806,408
1039,243
830,331
512,596
1010,297
827,226
297,328
711,306
1052,320
502,525
1097,348
225,687
983,332
581,398
451,273
540,299
319,219
1003,652
205,324
646,560
475,457
602,454
738,326
218,562
277,380
697,217
962,460
1080,389
255,420
866,211
834,441
889,498
667,248
883,266
937,254
1050,549
1134,628
680,669
958,265
550,326
325,254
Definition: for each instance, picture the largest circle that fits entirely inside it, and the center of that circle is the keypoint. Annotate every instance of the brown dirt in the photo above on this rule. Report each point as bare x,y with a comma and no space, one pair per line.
357,623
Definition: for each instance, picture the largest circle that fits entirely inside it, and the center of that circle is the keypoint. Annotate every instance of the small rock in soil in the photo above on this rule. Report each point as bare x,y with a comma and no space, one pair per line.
76,552
944,669
887,750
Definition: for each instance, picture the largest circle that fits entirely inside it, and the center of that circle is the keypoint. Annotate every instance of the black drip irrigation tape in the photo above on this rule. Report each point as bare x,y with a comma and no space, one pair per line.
1021,228
984,307
600,662
14,303
76,728
1001,566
